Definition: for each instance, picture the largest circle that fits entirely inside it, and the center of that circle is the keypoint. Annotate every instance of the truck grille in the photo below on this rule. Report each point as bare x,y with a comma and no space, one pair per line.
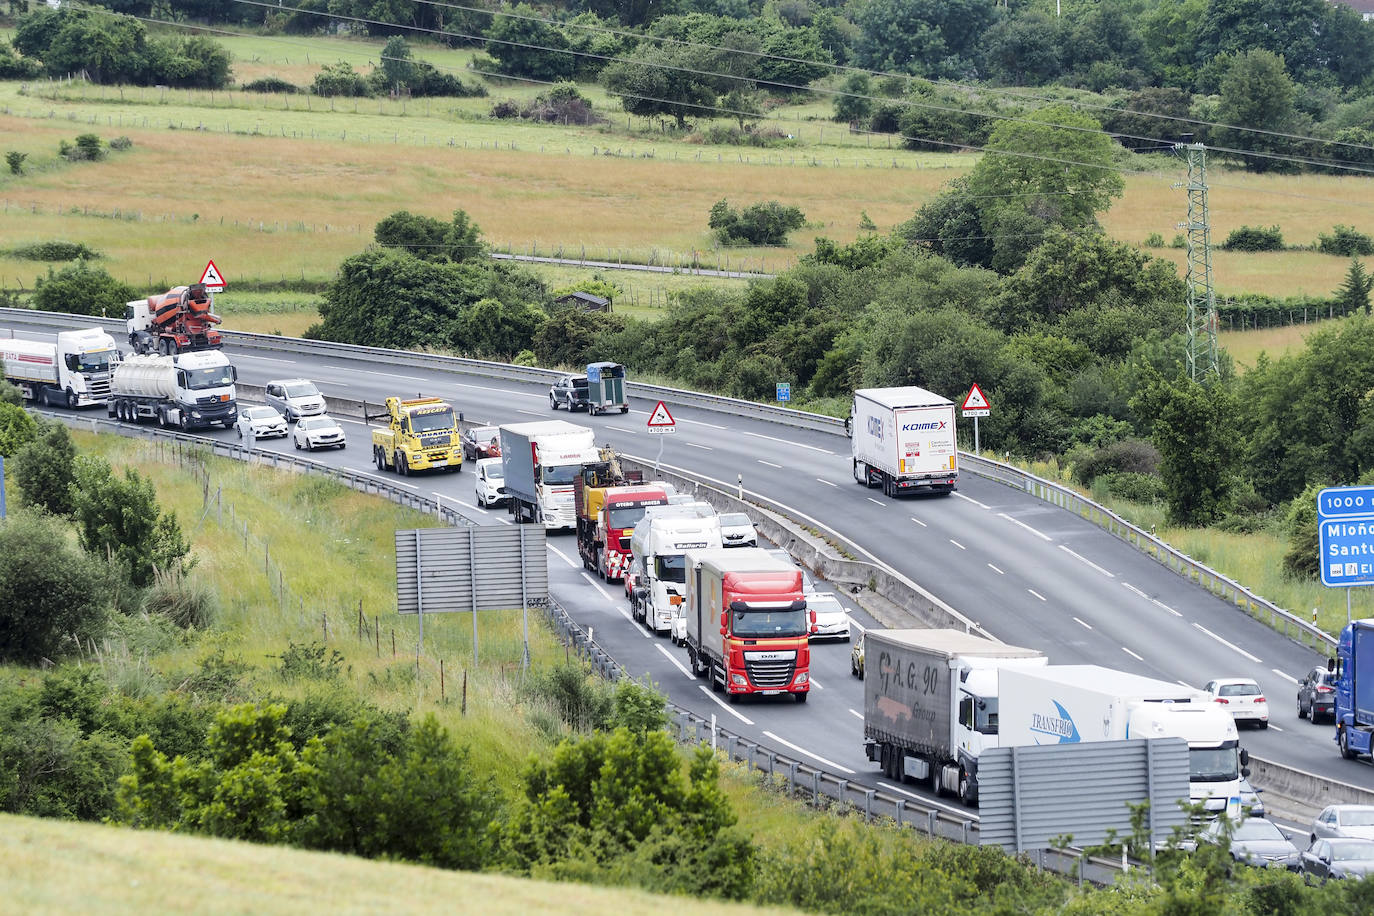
100,388
770,675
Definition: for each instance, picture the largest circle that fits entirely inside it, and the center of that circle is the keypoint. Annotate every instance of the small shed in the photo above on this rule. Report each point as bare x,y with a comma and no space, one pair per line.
585,301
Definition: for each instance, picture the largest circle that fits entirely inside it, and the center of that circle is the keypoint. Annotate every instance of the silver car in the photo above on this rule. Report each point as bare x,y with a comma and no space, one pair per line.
832,622
318,432
294,398
1345,821
1254,841
260,423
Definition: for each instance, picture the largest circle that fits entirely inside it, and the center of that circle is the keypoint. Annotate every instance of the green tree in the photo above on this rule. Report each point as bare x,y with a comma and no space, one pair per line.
49,592
757,224
82,289
1257,92
193,62
674,81
489,329
44,469
935,38
852,103
431,239
742,104
1196,432
571,336
1353,296
119,518
109,48
1300,559
397,66
525,45
17,429
340,79
1026,49
15,161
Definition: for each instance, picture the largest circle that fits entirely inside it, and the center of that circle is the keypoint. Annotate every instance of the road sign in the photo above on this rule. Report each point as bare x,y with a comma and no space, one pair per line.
784,392
661,421
1345,536
976,404
212,278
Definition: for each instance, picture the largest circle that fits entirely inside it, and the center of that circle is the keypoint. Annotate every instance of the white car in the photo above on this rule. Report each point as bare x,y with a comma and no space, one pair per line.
491,483
677,629
1344,821
737,531
1242,698
260,423
318,432
294,398
831,620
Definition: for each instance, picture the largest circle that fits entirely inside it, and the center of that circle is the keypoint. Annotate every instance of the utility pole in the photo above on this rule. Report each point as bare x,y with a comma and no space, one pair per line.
1202,301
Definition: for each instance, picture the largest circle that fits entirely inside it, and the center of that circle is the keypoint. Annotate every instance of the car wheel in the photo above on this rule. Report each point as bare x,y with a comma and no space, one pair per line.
625,410
297,443
1302,711
240,429
553,405
1263,724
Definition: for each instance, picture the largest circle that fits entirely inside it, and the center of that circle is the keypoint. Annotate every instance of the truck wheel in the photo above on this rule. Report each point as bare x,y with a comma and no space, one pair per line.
717,683
625,409
185,424
402,464
801,697
965,795
162,420
1344,742
71,399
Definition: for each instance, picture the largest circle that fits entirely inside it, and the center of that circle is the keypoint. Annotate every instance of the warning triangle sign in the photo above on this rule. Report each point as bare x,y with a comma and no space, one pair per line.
212,278
976,399
660,416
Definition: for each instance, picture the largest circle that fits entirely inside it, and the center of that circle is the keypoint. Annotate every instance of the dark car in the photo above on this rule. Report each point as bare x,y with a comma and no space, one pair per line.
481,442
1317,695
1254,841
570,393
1327,859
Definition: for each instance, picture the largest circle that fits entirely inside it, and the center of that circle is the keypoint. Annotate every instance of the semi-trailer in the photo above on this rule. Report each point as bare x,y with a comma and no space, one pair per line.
72,371
903,440
541,461
189,390
1355,688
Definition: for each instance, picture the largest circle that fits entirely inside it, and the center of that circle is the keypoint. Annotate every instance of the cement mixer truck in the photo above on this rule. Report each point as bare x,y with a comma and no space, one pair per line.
74,371
176,321
189,390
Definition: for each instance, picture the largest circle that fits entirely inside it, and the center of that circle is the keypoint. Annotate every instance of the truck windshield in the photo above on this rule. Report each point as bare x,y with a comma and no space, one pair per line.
1213,764
670,568
623,517
97,361
431,422
213,377
560,475
771,622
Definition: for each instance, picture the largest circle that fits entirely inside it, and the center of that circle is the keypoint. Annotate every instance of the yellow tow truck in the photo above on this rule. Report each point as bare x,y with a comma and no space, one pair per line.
422,433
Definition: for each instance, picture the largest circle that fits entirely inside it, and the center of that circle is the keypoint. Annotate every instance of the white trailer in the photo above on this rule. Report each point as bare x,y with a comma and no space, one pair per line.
658,545
541,461
189,390
903,440
74,371
1068,704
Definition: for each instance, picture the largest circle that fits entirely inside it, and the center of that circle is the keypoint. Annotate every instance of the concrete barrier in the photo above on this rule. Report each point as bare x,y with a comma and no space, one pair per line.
1311,792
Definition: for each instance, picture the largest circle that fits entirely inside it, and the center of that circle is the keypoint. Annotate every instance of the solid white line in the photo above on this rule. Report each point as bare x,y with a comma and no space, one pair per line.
1084,623
823,451
388,375
957,544
724,705
875,501
1039,534
626,429
996,570
1228,645
855,623
855,713
1287,677
972,500
533,413
679,665
704,448
816,685
596,585
770,464
919,522
802,750
397,483
1037,594
268,359
1132,654
826,482
930,801
1079,556
561,554
1275,727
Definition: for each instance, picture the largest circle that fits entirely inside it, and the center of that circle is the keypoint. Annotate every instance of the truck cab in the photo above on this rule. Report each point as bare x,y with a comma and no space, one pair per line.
659,545
1354,667
421,434
606,520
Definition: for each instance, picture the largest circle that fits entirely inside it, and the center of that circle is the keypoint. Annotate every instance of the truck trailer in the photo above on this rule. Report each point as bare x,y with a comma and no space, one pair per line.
1068,704
609,503
659,544
189,390
1355,688
747,623
903,440
73,371
541,461
931,704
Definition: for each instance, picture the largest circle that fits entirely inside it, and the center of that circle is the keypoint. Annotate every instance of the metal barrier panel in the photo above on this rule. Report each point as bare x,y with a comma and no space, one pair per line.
491,568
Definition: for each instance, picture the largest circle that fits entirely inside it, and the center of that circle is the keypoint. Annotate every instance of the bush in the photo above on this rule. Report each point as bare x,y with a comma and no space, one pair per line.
757,224
271,84
120,518
83,289
121,143
1129,456
1139,488
1346,242
340,80
50,593
43,469
1254,238
188,603
54,251
17,429
310,663
1154,240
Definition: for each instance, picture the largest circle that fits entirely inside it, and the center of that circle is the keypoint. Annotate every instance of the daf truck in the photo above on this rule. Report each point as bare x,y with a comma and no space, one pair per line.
931,704
73,371
1067,704
747,623
903,440
661,543
1355,688
541,461
190,390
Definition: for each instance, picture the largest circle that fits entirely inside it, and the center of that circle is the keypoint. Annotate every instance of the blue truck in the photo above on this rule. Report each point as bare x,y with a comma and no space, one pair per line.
1355,688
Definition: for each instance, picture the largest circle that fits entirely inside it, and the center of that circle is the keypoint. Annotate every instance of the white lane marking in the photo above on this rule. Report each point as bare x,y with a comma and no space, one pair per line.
266,359
1079,556
855,713
1275,727
875,502
770,464
588,576
561,554
1037,594
1136,590
1132,654
826,482
388,375
701,423
930,801
1014,521
333,384
816,684
397,483
723,705
814,448
801,750
1287,677
919,522
533,413
503,391
957,544
1186,684
1084,623
1229,645
996,570
1160,604
855,623
626,429
972,500
704,448
677,664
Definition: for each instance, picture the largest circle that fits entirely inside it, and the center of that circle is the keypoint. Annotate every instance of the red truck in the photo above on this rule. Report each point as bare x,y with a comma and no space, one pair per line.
609,504
176,321
748,626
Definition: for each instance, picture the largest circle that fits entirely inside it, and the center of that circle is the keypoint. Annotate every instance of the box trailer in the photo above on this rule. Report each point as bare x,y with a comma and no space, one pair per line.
903,440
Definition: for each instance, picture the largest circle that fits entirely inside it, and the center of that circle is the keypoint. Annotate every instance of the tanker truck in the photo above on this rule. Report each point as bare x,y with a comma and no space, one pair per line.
74,371
189,390
176,321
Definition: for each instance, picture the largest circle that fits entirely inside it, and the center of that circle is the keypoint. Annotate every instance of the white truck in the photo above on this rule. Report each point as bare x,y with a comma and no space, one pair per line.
657,546
74,371
541,461
931,704
1066,704
190,390
903,440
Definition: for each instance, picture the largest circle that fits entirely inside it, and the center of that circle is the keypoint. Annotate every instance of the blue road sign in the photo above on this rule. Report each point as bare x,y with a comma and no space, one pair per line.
1345,535
784,391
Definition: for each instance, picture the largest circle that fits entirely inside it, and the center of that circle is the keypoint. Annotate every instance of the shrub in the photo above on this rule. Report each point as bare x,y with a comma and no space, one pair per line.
15,161
505,108
310,663
121,143
49,592
1140,488
188,603
340,80
84,289
43,469
17,429
1129,456
1345,241
271,84
120,518
54,251
1154,240
1254,238
757,224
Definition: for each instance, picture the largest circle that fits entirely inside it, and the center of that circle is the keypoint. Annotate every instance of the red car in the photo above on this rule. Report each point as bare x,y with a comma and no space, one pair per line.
481,442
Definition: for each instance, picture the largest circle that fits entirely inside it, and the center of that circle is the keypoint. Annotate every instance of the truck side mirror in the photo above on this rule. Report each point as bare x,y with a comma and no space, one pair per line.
1330,664
849,426
1245,772
234,373
1244,757
724,621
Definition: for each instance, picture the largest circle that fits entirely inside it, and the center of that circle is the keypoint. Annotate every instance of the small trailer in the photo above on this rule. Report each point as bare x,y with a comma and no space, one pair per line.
606,388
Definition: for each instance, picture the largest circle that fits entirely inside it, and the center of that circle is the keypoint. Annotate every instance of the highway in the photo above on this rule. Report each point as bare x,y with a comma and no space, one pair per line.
1030,573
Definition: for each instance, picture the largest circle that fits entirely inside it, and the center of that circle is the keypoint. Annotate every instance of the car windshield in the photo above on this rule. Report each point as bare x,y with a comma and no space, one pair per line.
1357,818
262,413
431,420
1351,850
495,471
560,475
670,568
483,434
1257,828
1213,764
97,361
626,517
735,520
1238,690
301,390
770,622
214,377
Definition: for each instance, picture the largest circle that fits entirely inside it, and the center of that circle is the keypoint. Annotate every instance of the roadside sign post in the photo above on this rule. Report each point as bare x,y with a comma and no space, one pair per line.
976,405
1345,538
212,279
784,392
660,423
